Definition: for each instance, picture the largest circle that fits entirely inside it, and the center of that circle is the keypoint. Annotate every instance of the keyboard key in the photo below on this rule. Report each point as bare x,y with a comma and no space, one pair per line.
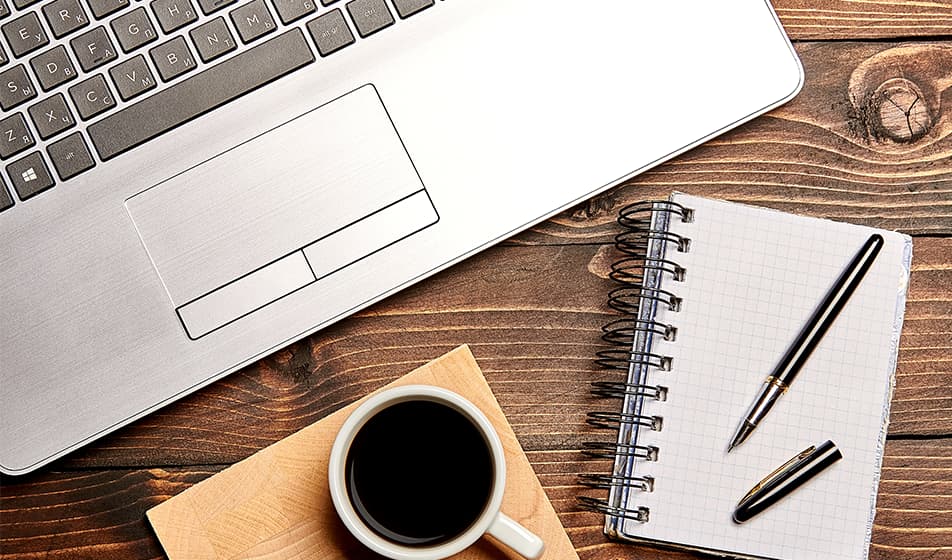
15,87
53,68
51,116
93,49
92,97
65,16
172,58
293,10
132,77
70,156
29,175
370,16
173,14
4,9
20,4
102,8
15,136
328,2
252,20
406,8
25,34
198,94
330,32
3,56
6,201
212,39
133,29
210,6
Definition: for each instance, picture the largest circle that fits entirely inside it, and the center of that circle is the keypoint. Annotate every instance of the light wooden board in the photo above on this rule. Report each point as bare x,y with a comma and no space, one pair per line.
276,503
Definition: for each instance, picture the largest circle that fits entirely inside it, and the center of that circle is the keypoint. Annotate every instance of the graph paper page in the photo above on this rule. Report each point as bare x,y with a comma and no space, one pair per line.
754,277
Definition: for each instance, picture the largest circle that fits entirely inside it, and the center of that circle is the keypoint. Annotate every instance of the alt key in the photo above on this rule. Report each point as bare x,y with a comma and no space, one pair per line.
70,156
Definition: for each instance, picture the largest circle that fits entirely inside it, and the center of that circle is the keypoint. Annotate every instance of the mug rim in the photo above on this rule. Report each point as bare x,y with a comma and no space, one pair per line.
337,466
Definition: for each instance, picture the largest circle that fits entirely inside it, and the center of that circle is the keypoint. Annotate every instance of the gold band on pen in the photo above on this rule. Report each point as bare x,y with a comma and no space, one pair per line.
777,383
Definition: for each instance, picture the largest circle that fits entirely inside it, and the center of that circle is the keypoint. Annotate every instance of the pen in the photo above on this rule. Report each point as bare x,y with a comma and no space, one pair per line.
790,476
782,376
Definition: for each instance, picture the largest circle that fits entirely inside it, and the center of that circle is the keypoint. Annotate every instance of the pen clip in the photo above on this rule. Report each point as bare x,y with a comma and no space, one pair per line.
779,473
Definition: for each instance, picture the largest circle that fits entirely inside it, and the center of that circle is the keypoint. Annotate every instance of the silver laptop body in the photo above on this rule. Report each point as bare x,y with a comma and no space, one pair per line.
168,265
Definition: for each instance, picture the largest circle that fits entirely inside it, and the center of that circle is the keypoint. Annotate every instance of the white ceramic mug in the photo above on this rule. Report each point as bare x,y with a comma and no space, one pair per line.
491,520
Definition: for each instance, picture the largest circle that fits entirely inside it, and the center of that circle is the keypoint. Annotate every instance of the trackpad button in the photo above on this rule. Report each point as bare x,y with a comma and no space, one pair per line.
329,174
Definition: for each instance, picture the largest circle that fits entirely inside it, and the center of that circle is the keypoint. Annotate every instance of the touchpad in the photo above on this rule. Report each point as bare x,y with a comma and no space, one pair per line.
278,212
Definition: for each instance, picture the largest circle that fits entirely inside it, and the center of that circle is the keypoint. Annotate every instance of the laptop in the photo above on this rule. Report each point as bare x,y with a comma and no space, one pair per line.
190,185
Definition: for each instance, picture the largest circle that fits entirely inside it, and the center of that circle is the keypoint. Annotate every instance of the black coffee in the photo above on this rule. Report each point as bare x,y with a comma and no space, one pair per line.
419,473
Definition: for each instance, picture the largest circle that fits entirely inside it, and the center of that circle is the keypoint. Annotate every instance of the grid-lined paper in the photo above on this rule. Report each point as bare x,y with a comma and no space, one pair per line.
753,278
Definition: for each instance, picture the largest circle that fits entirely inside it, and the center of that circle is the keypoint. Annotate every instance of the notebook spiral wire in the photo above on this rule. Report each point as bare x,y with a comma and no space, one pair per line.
641,261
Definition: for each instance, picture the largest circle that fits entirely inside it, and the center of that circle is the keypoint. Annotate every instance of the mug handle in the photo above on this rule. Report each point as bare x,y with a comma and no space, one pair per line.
516,537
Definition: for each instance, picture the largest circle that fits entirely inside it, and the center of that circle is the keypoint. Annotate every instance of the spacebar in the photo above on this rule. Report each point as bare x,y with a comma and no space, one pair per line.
199,94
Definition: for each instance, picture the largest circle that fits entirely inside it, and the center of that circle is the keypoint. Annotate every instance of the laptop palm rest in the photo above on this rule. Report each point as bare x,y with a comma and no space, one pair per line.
280,211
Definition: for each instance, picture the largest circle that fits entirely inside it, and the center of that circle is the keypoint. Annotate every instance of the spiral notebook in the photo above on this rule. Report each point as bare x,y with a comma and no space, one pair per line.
714,293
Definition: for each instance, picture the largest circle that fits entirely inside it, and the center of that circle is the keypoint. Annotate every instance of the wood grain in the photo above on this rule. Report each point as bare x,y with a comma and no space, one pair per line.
869,19
65,515
826,153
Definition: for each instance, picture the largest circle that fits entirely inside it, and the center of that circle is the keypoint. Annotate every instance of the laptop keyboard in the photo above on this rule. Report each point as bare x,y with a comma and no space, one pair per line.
83,81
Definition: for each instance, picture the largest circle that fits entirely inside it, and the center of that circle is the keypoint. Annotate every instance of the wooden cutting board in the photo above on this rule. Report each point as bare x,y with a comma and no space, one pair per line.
276,503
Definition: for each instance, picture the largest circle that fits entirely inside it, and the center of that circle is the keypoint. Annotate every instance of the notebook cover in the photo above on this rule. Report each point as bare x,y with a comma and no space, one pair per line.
276,503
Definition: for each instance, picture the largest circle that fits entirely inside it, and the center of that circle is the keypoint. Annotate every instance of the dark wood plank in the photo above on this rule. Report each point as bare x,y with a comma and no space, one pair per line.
836,151
100,513
845,19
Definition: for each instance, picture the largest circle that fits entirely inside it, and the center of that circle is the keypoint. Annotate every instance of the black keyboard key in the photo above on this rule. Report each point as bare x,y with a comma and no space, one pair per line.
132,77
252,20
330,32
406,8
53,68
4,9
172,58
212,39
370,16
65,16
25,34
200,93
70,156
20,4
15,135
6,201
16,87
133,29
51,116
292,10
173,14
29,175
92,97
102,8
210,6
93,49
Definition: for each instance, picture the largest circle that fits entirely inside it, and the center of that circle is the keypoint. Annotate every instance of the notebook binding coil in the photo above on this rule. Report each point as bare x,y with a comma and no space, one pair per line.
649,253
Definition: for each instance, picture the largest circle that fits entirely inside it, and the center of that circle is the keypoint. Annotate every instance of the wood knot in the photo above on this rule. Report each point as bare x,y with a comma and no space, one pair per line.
896,96
901,111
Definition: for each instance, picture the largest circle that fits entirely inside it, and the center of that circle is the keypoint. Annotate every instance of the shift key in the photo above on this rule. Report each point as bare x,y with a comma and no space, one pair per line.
199,94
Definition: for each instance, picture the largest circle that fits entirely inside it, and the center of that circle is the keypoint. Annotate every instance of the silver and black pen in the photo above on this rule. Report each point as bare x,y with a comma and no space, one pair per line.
786,370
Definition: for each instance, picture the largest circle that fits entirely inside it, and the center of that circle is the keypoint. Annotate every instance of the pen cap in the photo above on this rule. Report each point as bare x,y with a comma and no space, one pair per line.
786,479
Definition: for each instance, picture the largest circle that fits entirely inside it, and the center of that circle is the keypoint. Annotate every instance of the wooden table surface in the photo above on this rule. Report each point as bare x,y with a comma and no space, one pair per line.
868,141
